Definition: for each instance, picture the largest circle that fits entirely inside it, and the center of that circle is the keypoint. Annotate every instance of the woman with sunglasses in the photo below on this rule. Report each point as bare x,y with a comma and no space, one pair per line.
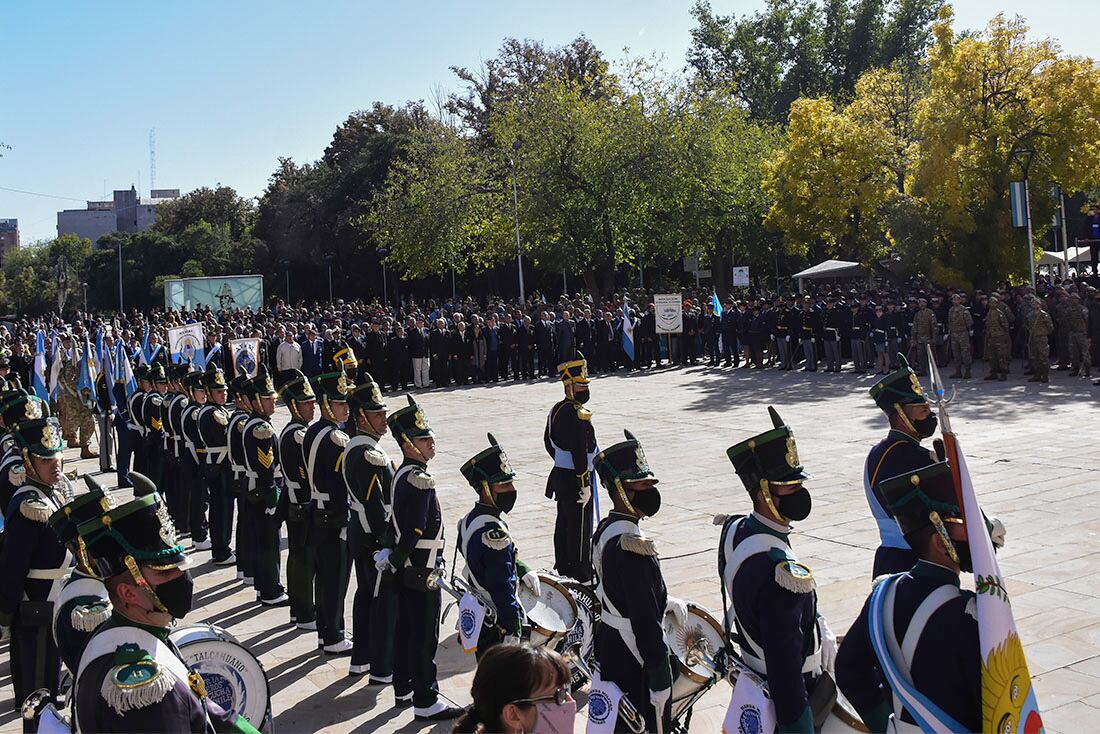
520,689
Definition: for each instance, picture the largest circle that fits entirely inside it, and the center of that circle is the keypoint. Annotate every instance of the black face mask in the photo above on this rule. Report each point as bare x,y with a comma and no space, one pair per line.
176,595
925,427
581,397
794,506
505,501
648,502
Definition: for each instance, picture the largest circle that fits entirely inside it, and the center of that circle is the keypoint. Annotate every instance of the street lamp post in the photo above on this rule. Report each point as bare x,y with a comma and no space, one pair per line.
121,306
1023,157
328,261
515,213
286,264
382,252
85,285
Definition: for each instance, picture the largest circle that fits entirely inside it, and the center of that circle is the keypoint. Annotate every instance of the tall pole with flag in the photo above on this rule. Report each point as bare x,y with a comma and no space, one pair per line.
1008,695
38,376
628,332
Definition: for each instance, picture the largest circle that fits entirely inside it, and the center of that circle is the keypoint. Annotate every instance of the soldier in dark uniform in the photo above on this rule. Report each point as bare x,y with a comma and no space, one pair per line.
213,420
793,321
262,497
33,563
238,417
16,406
152,422
176,495
323,447
368,473
944,664
811,330
82,604
730,354
492,566
416,556
710,326
570,440
133,678
769,596
912,420
835,324
300,400
136,405
103,420
190,466
630,645
126,434
858,331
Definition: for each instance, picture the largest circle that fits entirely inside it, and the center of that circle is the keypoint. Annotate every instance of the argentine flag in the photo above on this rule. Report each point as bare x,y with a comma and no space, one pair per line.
125,373
628,333
39,376
86,380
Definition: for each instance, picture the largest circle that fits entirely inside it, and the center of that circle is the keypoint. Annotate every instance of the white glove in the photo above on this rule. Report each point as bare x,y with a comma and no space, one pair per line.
828,645
382,560
659,699
585,494
997,533
531,581
678,608
511,640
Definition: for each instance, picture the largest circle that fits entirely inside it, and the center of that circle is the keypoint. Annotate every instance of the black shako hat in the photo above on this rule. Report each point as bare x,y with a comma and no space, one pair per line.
912,497
488,466
771,456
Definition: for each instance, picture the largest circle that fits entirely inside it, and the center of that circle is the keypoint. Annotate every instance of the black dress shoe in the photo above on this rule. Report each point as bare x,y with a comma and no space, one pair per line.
451,712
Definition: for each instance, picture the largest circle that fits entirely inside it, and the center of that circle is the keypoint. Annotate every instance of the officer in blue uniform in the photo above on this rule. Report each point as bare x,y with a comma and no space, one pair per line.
492,566
769,596
132,678
213,420
630,645
263,505
176,494
323,447
33,564
152,422
239,415
912,420
82,604
934,623
301,401
416,557
368,473
191,464
135,404
570,440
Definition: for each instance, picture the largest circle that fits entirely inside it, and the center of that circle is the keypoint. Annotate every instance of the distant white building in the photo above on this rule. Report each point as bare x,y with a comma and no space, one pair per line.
126,212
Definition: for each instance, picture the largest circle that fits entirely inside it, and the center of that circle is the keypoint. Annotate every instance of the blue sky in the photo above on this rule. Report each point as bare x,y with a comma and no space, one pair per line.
231,86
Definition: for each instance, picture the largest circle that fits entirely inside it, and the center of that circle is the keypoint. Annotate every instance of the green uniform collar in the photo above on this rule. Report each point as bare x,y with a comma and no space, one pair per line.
902,435
935,572
118,619
762,525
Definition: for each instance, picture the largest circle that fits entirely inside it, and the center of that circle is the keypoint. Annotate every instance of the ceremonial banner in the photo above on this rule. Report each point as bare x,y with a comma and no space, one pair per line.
185,344
750,710
741,277
246,356
471,617
669,308
628,332
39,375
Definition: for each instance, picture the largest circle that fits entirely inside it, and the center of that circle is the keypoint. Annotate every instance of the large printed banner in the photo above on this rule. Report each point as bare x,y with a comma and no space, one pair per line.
669,308
185,344
229,292
246,356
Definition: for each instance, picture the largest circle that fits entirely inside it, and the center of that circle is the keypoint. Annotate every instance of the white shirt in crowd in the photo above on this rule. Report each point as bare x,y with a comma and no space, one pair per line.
288,356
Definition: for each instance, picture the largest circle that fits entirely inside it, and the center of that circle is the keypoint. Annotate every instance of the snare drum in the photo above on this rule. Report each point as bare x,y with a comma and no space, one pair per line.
552,614
581,639
696,642
233,676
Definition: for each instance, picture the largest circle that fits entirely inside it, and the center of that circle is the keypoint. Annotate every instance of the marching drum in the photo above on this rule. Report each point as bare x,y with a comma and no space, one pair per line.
578,646
552,614
695,645
234,678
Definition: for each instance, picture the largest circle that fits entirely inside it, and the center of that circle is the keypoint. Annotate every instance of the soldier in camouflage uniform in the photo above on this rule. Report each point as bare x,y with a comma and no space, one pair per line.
960,325
1077,331
998,322
73,413
924,333
1040,327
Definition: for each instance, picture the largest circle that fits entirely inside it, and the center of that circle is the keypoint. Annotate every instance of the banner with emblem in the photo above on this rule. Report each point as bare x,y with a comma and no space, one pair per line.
246,356
185,344
668,309
603,705
750,710
471,616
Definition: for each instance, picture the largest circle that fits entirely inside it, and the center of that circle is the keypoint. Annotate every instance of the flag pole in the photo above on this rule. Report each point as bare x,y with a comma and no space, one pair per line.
950,442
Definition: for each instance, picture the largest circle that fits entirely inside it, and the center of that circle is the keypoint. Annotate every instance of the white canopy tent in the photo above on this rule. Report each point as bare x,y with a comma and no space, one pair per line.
831,270
1057,257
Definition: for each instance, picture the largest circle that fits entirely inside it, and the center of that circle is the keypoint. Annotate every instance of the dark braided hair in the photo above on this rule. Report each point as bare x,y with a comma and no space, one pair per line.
507,673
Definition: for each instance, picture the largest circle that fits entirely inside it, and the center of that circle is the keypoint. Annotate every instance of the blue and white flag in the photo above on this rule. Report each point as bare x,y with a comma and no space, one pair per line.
86,379
54,383
716,303
185,345
143,357
39,373
124,371
106,364
628,333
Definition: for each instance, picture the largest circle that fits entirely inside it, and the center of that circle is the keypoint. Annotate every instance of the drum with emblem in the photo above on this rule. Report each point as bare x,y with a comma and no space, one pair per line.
695,645
233,676
552,614
579,645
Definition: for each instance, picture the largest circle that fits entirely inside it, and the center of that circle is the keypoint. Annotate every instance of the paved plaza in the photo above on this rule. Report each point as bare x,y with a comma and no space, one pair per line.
1032,450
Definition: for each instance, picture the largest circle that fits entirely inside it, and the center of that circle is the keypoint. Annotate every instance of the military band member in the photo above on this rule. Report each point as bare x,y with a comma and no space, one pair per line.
912,420
630,645
191,466
368,473
934,623
176,495
570,440
132,678
82,604
135,404
33,563
770,597
492,566
213,420
238,417
15,406
152,422
323,448
300,400
417,524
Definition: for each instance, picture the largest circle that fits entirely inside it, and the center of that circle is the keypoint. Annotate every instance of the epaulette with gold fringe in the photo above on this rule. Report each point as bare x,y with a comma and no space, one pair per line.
137,681
638,544
87,617
421,480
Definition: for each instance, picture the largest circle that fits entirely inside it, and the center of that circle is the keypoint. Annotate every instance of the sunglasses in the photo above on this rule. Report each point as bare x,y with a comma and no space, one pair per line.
559,697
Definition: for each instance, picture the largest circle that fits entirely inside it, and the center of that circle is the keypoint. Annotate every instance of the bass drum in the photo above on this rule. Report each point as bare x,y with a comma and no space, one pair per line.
233,676
551,614
581,639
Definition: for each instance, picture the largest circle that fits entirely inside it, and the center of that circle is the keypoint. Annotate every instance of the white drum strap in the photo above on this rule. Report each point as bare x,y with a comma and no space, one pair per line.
358,507
611,615
919,621
466,530
432,545
319,497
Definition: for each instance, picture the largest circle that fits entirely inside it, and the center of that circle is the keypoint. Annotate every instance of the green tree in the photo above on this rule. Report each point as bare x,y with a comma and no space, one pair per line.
220,207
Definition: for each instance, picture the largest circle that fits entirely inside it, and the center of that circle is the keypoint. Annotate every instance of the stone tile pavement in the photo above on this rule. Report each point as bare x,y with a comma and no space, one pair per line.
1032,450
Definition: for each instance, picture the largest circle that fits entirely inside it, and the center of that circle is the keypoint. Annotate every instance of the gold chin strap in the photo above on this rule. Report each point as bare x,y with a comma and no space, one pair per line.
408,442
904,417
937,522
135,573
487,494
622,495
766,491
